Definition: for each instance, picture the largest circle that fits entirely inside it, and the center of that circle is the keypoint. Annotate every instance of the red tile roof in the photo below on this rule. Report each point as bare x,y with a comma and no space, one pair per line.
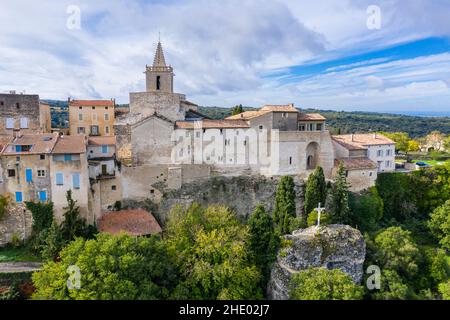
102,140
310,117
41,143
361,141
134,222
209,124
279,108
356,163
96,103
70,144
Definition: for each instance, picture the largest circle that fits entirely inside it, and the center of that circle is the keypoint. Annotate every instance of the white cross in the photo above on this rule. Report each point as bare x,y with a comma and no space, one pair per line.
319,211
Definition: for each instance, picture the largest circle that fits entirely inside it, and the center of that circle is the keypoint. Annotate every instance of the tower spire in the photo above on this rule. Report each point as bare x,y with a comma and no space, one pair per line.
159,60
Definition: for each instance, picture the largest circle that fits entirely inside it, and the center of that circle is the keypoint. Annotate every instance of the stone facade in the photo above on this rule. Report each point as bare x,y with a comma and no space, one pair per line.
17,222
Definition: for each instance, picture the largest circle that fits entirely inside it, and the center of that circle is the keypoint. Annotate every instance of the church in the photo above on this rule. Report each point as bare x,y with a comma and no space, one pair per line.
164,141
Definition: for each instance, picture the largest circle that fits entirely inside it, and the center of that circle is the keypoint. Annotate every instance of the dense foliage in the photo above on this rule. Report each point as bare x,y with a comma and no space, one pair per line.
316,190
210,248
440,224
324,284
339,206
366,210
111,267
285,208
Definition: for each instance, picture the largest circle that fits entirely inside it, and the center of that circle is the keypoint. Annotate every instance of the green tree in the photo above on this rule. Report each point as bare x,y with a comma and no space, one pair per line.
366,209
393,287
285,208
444,290
237,110
439,224
42,214
316,190
324,284
401,140
73,225
313,216
3,205
111,267
339,197
210,248
52,242
263,242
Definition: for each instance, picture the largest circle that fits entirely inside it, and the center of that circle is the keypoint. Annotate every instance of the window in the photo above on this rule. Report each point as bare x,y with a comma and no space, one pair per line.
301,127
94,117
80,108
311,127
113,188
106,116
389,152
81,130
76,180
59,179
197,134
93,108
43,195
388,164
370,173
346,173
24,123
94,130
28,175
67,157
19,196
18,148
42,156
107,130
261,127
1,103
380,153
158,82
11,173
9,123
17,158
104,149
290,160
41,173
17,105
319,127
80,116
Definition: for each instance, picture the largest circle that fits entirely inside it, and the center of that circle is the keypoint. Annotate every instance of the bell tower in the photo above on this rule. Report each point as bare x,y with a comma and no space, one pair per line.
159,76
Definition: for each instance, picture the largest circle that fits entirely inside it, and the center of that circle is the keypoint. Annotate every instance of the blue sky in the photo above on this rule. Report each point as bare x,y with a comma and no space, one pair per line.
317,54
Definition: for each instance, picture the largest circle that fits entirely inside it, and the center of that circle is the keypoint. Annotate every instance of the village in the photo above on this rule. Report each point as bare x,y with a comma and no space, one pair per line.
107,156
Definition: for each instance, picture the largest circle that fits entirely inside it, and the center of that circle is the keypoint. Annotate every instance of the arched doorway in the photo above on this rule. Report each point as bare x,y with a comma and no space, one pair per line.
312,155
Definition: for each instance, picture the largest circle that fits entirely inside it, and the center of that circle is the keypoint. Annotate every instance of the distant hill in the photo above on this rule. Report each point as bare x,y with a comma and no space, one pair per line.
356,121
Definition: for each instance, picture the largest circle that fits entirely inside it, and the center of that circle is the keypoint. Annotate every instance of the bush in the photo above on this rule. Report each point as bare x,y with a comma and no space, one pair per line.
313,216
3,206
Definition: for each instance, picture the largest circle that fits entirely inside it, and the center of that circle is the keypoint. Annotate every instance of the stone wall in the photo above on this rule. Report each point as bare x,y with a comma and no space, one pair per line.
17,221
241,194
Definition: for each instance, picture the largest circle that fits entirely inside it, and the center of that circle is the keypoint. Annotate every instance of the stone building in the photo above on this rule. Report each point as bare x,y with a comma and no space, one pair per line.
91,117
164,139
22,112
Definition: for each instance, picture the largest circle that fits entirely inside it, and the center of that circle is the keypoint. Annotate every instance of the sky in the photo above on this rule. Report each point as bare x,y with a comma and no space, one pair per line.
324,54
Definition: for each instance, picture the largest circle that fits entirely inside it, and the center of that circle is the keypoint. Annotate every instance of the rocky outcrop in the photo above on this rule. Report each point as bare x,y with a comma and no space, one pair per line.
333,247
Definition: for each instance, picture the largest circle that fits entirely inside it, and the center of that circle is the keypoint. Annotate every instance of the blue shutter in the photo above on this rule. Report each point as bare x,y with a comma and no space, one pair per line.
59,179
67,157
18,196
76,180
18,148
43,195
104,149
28,175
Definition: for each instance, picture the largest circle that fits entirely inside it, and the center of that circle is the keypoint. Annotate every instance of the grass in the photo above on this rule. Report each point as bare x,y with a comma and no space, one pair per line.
19,254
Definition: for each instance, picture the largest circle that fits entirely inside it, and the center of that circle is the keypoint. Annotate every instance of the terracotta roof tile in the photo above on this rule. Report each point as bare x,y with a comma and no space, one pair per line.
209,124
356,163
102,140
70,144
41,143
134,222
99,103
310,117
361,141
246,115
279,108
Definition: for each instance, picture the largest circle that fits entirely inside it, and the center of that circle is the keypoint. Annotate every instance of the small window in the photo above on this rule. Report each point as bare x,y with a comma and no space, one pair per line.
158,82
94,117
17,105
59,179
2,103
197,134
370,173
301,127
152,191
67,157
311,127
104,149
81,130
24,123
42,156
319,127
9,123
106,108
106,116
346,173
80,116
93,108
11,173
107,129
261,127
80,108
113,188
41,173
17,158
76,180
290,160
19,196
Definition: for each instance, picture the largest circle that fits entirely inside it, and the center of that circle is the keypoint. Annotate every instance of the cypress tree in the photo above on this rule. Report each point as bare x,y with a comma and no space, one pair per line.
339,197
316,190
284,204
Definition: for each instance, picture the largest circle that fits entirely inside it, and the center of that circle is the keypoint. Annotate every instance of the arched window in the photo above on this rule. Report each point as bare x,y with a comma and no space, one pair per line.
158,82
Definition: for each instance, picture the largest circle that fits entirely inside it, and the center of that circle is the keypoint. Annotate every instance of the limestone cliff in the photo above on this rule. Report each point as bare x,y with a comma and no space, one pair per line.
332,247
